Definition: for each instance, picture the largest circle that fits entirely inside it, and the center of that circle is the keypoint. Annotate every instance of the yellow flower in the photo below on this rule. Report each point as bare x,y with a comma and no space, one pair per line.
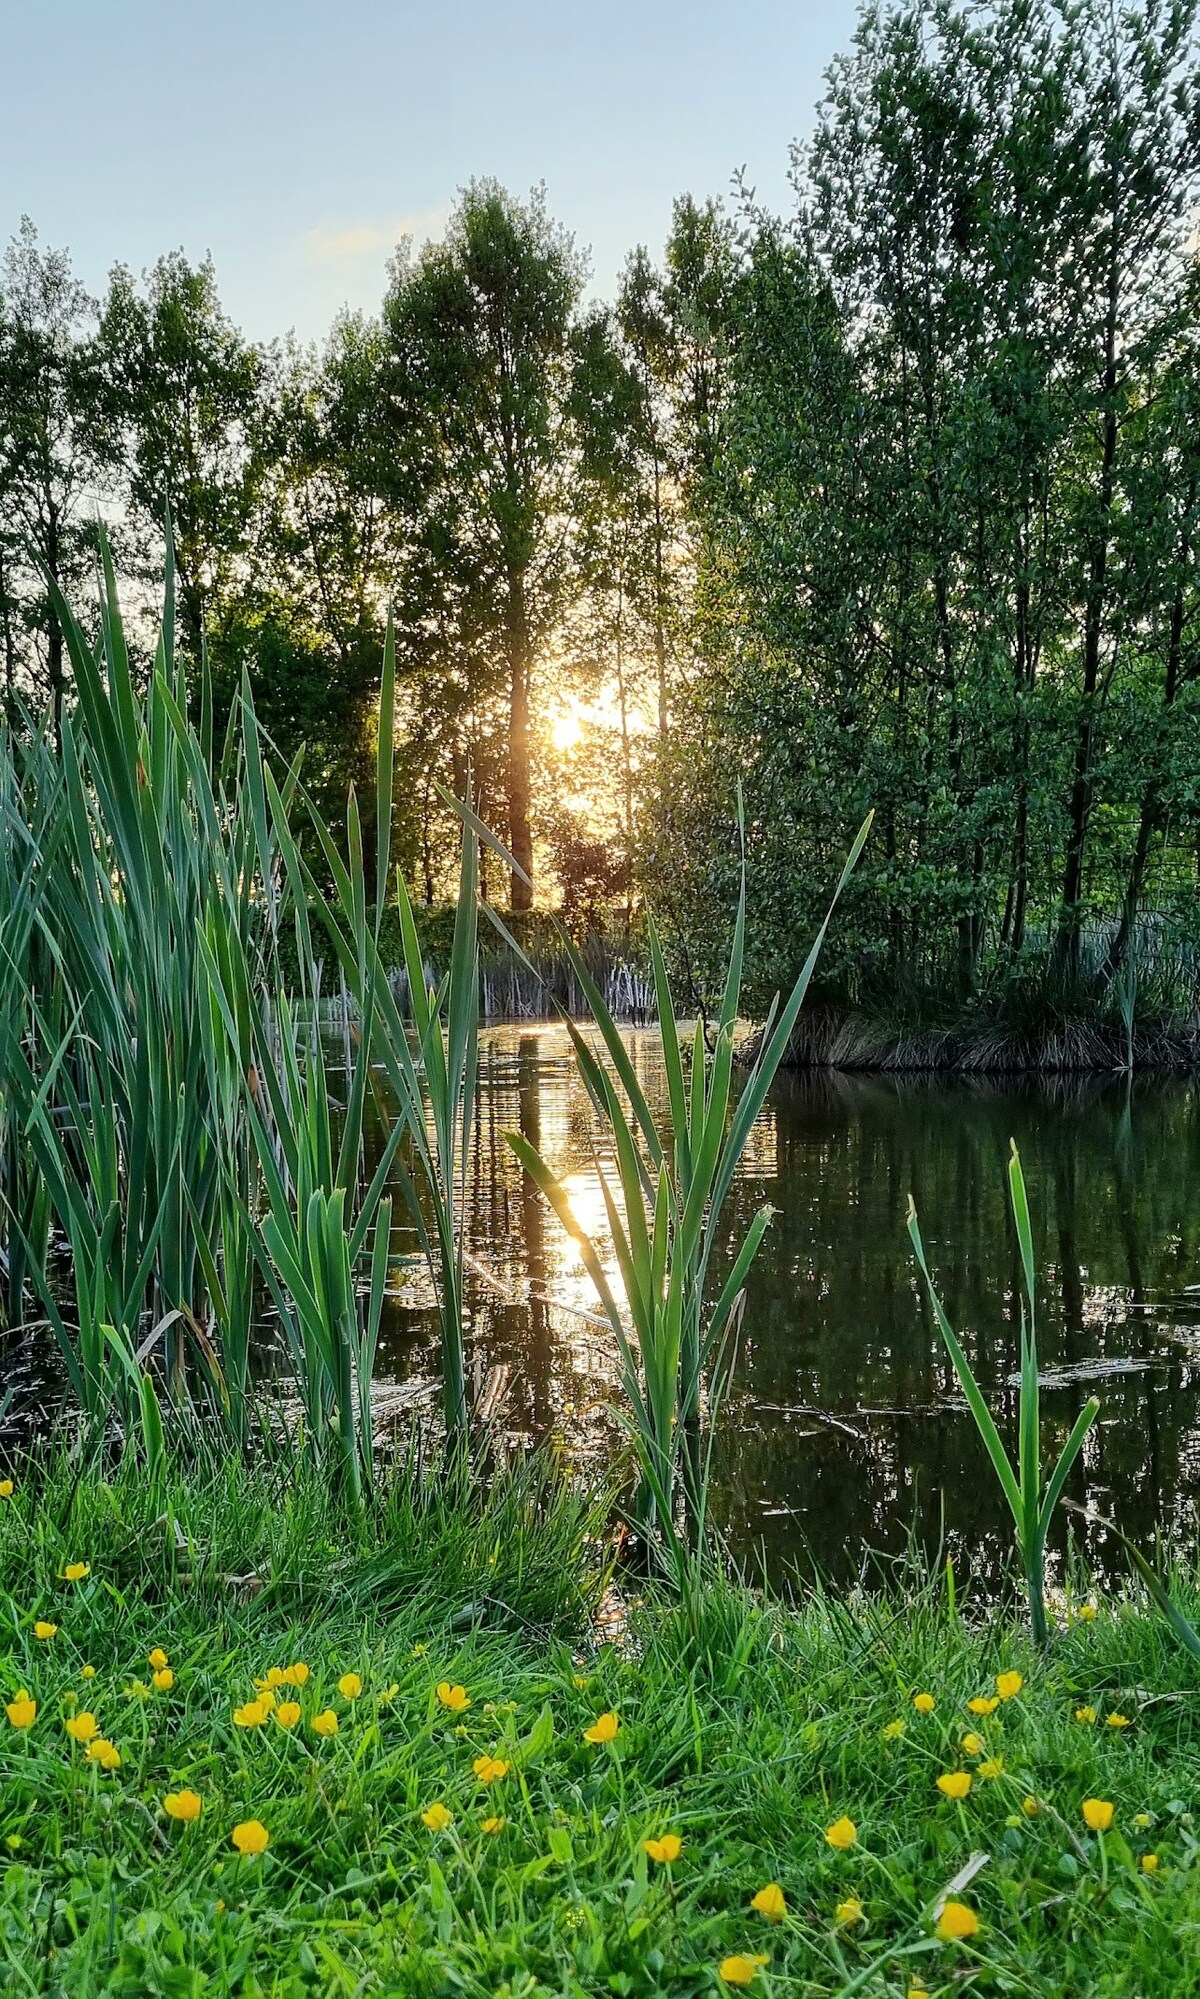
1008,1684
185,1806
1098,1813
1149,1863
295,1675
974,1745
437,1818
849,1912
924,1703
164,1679
1142,1820
739,1970
158,1659
603,1729
325,1723
6,1488
43,1630
1116,1720
770,1902
992,1767
841,1834
272,1678
489,1768
22,1713
1087,1715
266,1699
1086,1613
455,1698
918,1992
251,1714
418,1651
954,1783
892,1729
105,1753
581,1680
82,1727
349,1686
983,1704
1031,1807
388,1693
493,1826
287,1714
87,1672
251,1836
664,1850
75,1572
956,1922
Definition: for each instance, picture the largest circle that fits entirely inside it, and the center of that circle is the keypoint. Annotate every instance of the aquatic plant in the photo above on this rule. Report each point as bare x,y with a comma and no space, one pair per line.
1030,1501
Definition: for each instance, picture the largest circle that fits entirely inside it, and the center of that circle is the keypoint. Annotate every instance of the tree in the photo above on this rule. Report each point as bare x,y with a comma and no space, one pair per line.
480,333
52,455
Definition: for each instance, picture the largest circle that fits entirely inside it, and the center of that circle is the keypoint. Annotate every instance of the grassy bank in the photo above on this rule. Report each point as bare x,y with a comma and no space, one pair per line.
747,1734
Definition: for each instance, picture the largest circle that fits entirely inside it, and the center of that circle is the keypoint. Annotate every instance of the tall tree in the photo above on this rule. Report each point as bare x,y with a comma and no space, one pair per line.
480,330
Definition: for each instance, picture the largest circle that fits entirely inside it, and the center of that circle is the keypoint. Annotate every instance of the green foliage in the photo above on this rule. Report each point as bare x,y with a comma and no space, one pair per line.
1030,1500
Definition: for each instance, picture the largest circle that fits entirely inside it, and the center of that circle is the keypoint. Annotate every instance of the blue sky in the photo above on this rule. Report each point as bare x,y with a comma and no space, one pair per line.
297,141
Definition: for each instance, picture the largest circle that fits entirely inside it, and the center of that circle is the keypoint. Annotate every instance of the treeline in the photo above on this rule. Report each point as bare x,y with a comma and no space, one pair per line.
890,502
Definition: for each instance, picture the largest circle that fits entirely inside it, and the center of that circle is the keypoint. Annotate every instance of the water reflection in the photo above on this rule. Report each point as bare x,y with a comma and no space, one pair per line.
843,1424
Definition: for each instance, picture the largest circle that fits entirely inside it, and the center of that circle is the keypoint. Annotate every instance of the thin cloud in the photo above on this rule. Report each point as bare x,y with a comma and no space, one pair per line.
366,239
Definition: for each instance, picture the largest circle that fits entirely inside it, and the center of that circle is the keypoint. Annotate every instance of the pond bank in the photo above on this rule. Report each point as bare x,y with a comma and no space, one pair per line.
445,1809
832,1038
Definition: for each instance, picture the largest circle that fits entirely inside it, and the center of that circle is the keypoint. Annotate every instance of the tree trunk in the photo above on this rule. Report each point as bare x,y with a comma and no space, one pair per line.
520,838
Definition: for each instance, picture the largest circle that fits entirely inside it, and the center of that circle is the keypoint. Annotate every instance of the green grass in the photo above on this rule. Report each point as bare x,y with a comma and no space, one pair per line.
747,1731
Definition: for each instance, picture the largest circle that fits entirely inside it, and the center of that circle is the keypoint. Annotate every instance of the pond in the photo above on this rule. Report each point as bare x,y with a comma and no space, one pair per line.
844,1427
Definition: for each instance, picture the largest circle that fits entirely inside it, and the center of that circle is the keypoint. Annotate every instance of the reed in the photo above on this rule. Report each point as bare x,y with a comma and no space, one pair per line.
1031,1500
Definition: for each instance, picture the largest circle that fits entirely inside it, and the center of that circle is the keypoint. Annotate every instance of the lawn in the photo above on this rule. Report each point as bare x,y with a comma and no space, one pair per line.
404,1716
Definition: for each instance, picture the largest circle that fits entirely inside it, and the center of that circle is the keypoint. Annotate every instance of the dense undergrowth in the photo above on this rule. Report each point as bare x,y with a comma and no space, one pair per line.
747,1730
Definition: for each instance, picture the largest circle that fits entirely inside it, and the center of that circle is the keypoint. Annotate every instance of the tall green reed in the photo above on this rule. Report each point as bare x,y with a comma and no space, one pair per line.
1031,1500
672,1180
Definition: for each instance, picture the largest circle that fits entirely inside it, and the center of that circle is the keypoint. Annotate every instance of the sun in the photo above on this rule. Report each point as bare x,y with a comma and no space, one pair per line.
565,732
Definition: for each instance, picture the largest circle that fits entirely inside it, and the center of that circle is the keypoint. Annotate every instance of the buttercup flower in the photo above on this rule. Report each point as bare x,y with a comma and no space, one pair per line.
841,1834
75,1572
6,1488
892,1729
1149,1863
1009,1684
44,1631
1086,1715
82,1727
272,1678
437,1818
973,1745
924,1703
184,1806
251,1714
325,1723
296,1675
104,1752
349,1686
770,1902
489,1769
1031,1807
22,1713
1116,1720
456,1699
1097,1813
992,1767
158,1659
493,1826
603,1729
849,1912
954,1783
664,1850
581,1680
164,1679
739,1970
251,1837
1086,1613
287,1714
1142,1820
983,1704
957,1922
87,1672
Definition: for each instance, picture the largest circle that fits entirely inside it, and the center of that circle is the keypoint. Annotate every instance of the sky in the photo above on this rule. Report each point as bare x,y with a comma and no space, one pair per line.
297,142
